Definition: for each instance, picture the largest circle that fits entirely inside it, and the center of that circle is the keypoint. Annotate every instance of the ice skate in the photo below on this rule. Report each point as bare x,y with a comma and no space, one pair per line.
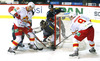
52,46
92,50
21,45
16,48
34,47
38,48
75,53
11,50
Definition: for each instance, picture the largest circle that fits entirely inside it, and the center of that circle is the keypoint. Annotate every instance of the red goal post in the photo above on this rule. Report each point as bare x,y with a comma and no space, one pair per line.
58,18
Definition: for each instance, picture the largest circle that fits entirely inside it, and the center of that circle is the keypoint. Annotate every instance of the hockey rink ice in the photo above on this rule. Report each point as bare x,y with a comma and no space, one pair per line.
46,54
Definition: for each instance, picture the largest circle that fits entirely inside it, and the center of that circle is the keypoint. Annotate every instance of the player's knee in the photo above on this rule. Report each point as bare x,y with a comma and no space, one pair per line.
91,42
31,35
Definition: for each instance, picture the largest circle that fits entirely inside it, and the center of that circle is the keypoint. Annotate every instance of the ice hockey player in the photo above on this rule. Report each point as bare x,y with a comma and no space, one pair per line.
22,24
13,32
81,28
51,14
48,30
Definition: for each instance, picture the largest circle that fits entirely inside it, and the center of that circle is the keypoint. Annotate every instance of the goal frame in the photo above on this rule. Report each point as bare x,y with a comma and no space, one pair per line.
64,14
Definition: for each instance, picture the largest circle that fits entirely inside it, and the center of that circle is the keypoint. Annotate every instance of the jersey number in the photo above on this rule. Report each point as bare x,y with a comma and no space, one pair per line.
81,20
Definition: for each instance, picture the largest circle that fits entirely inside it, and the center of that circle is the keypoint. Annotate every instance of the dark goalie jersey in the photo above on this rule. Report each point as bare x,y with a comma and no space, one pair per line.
49,28
50,15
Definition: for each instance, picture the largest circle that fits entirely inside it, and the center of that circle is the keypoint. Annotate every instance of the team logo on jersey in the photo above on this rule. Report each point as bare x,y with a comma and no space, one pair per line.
25,19
78,34
16,30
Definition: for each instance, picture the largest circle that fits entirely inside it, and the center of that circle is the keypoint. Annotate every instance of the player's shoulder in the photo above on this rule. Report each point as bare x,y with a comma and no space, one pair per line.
49,12
56,8
80,15
24,8
21,8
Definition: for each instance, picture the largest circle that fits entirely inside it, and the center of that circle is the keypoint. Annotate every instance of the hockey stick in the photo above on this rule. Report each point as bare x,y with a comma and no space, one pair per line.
35,44
36,28
10,8
38,47
39,39
64,40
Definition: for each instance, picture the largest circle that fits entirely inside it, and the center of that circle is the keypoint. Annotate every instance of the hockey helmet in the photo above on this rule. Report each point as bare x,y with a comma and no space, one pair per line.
31,4
43,24
50,6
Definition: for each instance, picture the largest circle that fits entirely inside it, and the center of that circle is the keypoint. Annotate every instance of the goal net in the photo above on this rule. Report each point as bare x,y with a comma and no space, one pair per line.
63,23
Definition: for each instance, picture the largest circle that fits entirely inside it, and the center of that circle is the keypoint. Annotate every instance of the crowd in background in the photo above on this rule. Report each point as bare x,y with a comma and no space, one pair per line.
62,2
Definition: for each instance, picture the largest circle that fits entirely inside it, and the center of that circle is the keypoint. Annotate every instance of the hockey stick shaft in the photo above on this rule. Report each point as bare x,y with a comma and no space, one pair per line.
36,28
64,39
39,39
29,38
34,43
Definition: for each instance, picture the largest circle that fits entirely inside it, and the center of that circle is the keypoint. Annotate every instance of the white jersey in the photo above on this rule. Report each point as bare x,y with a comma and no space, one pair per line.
80,22
25,15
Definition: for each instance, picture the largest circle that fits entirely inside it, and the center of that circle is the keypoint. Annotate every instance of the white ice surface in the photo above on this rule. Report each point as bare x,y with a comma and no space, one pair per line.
46,54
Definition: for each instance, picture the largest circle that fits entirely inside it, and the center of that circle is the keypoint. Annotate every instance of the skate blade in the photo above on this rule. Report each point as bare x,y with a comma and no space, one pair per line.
93,52
22,49
51,48
40,49
10,53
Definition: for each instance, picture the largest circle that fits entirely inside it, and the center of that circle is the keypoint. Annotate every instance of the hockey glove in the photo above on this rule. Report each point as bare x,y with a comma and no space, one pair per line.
17,15
74,32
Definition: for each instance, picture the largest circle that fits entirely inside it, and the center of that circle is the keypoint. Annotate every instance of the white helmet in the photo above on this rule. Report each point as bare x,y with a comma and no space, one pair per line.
31,4
72,14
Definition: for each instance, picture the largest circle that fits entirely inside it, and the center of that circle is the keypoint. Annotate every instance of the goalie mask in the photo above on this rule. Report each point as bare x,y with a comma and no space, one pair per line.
43,24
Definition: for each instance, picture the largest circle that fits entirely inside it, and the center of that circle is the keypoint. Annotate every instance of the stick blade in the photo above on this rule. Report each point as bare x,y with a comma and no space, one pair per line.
10,8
